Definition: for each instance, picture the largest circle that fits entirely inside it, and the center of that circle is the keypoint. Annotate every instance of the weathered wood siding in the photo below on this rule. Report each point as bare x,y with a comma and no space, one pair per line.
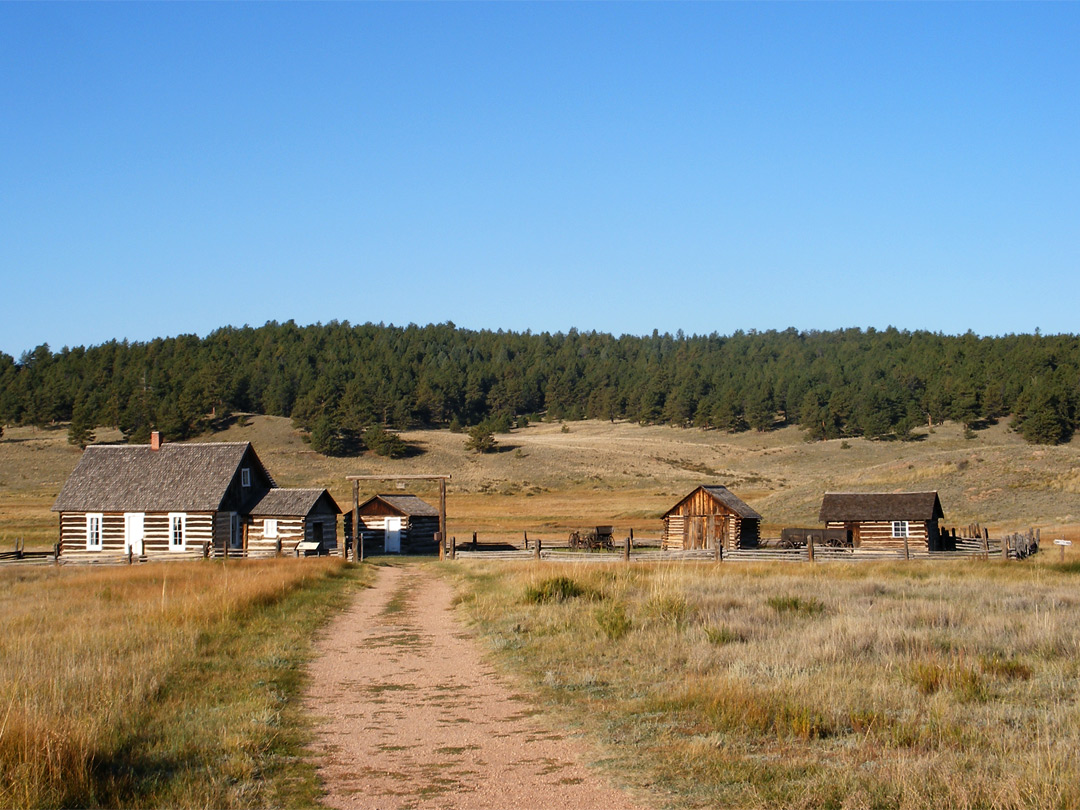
417,533
877,534
701,521
199,527
329,523
290,531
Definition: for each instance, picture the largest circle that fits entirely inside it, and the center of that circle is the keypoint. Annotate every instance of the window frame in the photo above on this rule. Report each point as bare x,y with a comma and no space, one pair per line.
901,529
245,477
95,526
270,528
174,519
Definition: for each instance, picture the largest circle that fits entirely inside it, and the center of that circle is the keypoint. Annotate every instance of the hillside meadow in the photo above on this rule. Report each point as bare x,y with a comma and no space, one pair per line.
551,477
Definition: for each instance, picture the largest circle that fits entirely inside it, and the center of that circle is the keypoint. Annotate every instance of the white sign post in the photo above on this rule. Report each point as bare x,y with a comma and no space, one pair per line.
1063,543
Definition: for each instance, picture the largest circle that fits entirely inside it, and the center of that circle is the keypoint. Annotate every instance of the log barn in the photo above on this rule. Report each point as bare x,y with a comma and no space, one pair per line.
708,516
398,524
885,520
283,518
163,500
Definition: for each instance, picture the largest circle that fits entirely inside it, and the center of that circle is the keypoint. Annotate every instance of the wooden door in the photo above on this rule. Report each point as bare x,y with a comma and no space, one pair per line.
236,531
696,529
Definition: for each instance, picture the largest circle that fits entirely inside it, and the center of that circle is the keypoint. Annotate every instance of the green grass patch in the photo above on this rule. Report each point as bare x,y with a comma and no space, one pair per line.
555,589
795,604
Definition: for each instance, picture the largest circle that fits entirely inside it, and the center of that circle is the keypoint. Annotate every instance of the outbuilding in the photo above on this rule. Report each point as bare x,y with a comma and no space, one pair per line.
398,524
286,518
885,520
708,516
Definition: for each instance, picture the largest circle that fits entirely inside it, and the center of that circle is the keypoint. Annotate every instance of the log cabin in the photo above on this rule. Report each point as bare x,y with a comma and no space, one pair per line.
285,518
885,520
398,524
707,516
161,500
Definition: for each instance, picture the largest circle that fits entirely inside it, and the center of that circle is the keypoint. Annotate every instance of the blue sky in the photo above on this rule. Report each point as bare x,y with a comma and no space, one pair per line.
173,168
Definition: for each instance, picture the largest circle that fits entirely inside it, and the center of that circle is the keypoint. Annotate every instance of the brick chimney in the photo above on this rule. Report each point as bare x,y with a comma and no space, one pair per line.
155,440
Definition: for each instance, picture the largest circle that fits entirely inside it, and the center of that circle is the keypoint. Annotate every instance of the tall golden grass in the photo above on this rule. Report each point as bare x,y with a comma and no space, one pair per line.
951,685
91,659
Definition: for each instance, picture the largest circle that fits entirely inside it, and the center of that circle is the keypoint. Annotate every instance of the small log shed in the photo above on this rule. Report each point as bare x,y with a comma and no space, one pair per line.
711,515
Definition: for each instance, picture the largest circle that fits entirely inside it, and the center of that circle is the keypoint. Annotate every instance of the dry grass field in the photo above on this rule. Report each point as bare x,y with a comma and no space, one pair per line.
547,481
159,685
842,686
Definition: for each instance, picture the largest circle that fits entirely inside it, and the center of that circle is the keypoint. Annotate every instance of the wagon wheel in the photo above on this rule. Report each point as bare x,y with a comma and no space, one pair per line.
590,541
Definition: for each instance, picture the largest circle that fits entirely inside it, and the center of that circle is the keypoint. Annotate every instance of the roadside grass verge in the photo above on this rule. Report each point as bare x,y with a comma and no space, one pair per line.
844,686
161,685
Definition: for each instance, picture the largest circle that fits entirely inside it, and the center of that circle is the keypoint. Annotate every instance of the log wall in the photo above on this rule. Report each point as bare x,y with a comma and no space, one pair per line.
878,535
199,529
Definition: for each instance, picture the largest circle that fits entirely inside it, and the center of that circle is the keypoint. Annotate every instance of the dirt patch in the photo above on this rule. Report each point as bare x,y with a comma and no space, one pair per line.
409,715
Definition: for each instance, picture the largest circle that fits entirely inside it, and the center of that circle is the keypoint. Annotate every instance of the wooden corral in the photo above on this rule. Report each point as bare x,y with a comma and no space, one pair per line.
398,524
286,517
708,516
894,521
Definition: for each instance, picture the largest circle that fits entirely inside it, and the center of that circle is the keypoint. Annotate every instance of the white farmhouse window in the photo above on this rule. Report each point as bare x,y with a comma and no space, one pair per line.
177,531
270,527
245,476
900,528
93,531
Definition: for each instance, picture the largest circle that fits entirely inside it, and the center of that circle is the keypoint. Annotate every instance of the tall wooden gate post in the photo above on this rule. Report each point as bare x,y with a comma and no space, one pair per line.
357,538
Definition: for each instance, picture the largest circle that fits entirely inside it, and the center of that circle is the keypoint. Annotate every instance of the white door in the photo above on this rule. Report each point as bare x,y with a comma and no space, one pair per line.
393,535
133,532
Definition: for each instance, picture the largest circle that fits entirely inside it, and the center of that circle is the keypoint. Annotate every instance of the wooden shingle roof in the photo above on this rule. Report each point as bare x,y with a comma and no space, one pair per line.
724,496
843,507
407,505
135,478
293,502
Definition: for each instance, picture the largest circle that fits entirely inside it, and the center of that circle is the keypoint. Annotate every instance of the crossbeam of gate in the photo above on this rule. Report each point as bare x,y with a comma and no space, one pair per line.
358,540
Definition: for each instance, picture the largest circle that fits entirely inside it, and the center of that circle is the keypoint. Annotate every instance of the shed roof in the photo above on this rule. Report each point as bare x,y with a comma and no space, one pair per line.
724,496
293,502
838,507
135,478
408,505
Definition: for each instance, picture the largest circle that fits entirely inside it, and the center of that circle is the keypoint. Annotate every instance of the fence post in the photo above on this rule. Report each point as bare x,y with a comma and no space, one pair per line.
626,550
442,545
129,555
986,543
536,549
810,548
453,548
717,551
56,552
907,551
526,540
474,541
1005,547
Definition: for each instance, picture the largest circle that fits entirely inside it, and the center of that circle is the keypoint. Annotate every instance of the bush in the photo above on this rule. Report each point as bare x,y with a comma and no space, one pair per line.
613,621
554,589
793,604
384,443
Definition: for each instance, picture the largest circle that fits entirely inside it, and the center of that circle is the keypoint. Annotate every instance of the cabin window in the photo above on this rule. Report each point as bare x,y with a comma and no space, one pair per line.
245,477
900,528
177,531
93,531
270,527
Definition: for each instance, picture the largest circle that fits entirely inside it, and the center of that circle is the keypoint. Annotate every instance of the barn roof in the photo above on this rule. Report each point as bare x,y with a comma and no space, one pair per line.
135,478
724,496
293,502
840,507
408,505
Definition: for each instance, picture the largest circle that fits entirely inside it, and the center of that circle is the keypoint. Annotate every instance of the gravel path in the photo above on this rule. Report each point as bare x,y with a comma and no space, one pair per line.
409,715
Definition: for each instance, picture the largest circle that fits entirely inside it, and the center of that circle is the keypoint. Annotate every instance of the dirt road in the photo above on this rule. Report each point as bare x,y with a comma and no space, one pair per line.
408,714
